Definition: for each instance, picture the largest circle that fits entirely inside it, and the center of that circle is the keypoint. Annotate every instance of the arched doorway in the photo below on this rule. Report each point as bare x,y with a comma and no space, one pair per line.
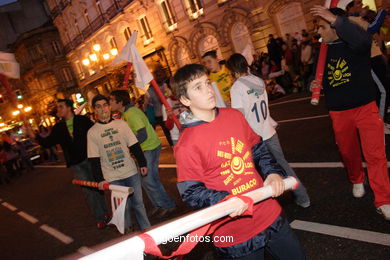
210,43
240,37
291,19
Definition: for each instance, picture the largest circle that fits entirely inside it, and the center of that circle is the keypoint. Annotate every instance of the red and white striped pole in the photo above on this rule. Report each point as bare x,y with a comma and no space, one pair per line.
316,89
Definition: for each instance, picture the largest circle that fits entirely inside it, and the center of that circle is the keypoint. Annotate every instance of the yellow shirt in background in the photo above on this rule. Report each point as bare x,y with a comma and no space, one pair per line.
224,81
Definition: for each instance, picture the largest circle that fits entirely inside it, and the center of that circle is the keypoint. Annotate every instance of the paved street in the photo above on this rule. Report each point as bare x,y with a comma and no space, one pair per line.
44,216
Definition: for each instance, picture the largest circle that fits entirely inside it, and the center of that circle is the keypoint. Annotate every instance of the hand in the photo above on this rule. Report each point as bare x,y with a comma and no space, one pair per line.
241,209
100,186
144,171
324,13
276,183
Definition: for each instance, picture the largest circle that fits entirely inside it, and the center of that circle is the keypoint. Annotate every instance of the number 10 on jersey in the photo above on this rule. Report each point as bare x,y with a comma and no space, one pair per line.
262,109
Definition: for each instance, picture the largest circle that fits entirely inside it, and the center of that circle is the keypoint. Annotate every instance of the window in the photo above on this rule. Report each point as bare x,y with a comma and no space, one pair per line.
66,74
194,8
148,37
113,43
127,33
56,48
79,70
170,20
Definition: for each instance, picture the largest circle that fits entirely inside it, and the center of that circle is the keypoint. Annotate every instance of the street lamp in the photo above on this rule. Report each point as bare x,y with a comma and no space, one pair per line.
16,112
20,106
114,51
86,62
99,58
27,109
96,47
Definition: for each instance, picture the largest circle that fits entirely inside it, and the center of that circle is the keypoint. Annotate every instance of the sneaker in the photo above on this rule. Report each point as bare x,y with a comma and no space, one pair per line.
384,210
101,225
304,205
358,190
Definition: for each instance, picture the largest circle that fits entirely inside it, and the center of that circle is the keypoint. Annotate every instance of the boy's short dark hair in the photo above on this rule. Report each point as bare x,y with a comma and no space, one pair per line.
121,95
185,75
212,54
237,63
98,98
68,102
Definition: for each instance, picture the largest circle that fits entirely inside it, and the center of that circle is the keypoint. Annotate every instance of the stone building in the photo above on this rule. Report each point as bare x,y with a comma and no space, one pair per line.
44,70
171,32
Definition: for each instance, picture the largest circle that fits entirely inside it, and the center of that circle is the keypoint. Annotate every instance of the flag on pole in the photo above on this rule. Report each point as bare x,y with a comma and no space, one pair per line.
118,205
130,54
9,67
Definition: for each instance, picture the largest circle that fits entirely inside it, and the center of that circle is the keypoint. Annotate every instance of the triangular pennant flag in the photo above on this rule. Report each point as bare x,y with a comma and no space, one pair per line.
118,204
130,54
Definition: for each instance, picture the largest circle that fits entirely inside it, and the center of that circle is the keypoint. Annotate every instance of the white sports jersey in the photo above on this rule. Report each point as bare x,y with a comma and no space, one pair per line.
248,94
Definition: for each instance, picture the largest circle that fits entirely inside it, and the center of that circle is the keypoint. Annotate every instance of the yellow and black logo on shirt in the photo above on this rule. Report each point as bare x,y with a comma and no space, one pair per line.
338,72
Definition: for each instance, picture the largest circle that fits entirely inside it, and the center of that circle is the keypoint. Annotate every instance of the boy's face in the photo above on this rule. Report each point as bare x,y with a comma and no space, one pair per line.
115,106
200,95
102,110
211,64
62,109
327,33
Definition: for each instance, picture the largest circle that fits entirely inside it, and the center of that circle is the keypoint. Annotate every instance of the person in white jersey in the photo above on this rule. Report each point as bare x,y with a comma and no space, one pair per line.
248,95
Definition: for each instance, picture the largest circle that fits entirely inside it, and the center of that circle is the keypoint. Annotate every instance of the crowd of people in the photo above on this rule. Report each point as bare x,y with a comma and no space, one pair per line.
224,112
19,154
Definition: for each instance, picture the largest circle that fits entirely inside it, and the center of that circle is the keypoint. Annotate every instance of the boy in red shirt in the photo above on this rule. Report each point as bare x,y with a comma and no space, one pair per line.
214,160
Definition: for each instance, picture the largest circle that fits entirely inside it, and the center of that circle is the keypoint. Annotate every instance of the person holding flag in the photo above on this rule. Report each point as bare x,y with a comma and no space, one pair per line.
138,122
151,146
109,145
350,96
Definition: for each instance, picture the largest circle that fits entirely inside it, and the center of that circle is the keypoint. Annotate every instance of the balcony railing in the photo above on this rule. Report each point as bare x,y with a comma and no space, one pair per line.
58,8
116,8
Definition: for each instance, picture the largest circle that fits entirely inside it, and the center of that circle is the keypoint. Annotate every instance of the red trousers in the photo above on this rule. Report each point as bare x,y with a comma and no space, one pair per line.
366,123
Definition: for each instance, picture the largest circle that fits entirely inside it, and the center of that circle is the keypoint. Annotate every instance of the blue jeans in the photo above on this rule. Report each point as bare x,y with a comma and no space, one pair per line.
151,182
274,147
95,198
134,201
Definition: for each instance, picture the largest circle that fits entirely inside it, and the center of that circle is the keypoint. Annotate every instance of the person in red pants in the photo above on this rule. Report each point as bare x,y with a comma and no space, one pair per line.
350,96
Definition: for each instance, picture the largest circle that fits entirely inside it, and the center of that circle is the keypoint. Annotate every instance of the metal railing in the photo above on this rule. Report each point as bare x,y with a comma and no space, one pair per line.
112,11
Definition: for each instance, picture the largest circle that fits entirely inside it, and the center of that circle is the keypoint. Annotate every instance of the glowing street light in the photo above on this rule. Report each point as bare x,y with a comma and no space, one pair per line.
20,106
93,57
114,52
27,109
86,62
16,112
96,47
106,56
2,124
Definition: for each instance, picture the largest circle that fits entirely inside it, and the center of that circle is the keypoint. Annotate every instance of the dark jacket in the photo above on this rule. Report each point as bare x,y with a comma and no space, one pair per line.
347,78
74,148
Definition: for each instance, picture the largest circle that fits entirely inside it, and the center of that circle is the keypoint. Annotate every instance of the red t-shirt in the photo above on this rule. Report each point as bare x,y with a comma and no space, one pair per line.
219,155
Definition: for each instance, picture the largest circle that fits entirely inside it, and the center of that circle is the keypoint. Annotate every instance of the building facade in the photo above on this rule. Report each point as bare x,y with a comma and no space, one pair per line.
45,73
172,33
